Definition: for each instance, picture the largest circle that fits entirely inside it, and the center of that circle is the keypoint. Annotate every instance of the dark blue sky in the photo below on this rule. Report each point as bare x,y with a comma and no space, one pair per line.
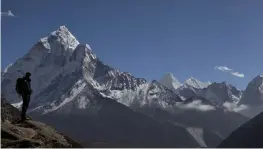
148,37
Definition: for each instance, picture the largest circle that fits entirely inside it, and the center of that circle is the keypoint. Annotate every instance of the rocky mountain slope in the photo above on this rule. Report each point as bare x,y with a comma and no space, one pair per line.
29,133
253,94
249,135
253,97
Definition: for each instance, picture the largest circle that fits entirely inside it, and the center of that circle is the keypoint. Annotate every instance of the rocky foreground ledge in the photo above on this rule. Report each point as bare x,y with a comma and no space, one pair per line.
30,133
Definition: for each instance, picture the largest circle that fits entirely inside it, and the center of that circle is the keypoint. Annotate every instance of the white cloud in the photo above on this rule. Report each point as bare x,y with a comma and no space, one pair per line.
197,105
237,74
234,107
229,71
222,68
7,14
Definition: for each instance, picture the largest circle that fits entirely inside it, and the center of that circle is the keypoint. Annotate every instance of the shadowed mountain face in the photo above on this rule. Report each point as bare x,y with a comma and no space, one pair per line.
29,133
223,124
253,97
253,94
105,122
115,125
249,135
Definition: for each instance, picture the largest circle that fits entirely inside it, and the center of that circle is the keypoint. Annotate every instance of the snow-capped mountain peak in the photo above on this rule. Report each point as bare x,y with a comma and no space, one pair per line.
192,82
63,36
260,76
190,88
62,68
169,81
57,55
219,93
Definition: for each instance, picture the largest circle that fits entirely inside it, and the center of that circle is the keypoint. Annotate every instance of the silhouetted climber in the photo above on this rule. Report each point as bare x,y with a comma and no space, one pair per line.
23,88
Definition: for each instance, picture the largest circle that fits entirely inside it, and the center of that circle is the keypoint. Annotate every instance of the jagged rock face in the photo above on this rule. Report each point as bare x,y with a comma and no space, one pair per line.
194,83
219,93
187,92
253,94
157,92
147,94
126,81
105,73
113,79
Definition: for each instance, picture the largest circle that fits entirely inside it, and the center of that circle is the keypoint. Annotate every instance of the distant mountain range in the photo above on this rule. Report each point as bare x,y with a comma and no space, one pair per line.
78,94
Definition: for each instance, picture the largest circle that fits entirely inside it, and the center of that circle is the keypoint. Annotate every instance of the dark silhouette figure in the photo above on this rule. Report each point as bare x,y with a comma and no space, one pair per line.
23,88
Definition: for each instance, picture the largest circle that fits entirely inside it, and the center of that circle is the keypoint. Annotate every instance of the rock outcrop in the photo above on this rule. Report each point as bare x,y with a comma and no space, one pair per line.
29,133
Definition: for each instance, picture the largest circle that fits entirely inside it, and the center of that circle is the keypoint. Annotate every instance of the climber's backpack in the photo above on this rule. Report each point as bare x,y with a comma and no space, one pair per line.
19,85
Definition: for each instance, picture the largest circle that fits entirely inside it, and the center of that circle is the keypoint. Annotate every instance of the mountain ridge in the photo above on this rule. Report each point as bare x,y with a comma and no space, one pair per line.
93,89
61,54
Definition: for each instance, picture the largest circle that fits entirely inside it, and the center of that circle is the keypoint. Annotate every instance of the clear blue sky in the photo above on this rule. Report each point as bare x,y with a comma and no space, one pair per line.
148,37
